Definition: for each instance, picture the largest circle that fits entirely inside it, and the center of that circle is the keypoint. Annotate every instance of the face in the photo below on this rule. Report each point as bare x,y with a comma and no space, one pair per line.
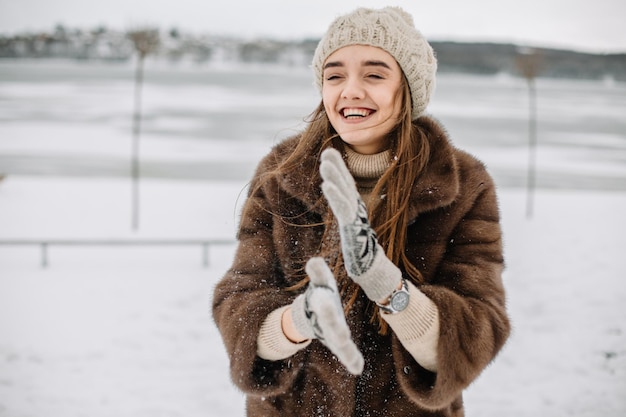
361,92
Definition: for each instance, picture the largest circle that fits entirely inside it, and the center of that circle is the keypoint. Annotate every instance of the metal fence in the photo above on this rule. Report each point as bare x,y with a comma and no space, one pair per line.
44,244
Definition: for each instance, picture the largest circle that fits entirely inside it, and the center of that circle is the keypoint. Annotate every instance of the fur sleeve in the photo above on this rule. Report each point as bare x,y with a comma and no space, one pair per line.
247,294
466,286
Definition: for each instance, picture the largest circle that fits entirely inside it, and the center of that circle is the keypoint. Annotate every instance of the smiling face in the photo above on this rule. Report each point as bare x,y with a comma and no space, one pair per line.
362,97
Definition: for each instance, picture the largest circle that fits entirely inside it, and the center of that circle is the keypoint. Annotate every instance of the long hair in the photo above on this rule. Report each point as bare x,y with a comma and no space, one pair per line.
389,207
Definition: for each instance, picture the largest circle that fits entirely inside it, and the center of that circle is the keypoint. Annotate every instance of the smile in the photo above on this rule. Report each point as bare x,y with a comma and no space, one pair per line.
355,113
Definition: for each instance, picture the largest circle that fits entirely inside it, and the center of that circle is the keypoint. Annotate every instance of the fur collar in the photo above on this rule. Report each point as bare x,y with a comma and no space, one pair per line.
437,187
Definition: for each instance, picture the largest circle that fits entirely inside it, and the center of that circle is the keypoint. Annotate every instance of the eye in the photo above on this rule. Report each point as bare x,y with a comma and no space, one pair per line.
332,77
375,76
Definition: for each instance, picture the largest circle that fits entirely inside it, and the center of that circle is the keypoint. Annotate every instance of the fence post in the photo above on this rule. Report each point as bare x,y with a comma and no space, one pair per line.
205,257
44,254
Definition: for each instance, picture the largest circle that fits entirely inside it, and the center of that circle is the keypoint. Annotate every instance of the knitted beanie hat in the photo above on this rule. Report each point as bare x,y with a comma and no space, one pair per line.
391,29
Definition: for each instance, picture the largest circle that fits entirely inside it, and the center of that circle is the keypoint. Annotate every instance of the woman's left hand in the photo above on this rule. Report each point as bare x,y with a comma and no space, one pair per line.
364,258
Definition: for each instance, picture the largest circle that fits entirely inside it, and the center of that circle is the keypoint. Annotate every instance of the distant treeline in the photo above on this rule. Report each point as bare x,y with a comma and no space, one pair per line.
475,58
489,58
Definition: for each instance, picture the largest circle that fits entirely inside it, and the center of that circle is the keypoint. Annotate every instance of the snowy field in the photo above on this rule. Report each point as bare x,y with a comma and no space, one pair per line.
127,331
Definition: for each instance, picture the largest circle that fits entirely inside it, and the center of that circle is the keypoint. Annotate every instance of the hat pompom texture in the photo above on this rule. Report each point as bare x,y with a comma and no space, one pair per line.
391,29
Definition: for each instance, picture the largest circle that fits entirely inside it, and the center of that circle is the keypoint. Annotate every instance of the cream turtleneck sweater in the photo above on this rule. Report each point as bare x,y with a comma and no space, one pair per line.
417,327
367,169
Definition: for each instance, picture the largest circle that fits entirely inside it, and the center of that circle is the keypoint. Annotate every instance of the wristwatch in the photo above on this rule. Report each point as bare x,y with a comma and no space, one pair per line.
398,301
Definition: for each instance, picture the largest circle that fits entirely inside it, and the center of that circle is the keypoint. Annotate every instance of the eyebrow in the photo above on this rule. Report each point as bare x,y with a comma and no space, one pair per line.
369,63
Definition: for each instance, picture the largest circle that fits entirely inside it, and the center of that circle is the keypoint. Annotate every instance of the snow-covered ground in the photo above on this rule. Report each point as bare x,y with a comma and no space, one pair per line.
127,331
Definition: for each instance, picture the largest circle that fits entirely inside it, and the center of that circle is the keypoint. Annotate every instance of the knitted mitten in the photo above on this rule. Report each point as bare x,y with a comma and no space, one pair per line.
318,314
364,258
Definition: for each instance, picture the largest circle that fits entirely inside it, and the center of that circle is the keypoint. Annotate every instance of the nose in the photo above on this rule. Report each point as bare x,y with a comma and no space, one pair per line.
353,89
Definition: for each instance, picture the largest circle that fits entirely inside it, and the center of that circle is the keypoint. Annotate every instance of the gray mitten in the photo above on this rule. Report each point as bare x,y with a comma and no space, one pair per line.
364,258
318,314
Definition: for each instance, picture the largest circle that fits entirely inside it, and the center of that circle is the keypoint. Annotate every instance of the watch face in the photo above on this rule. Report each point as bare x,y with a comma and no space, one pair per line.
400,300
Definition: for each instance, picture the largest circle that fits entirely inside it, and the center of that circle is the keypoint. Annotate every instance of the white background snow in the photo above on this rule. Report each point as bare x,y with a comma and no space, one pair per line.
127,331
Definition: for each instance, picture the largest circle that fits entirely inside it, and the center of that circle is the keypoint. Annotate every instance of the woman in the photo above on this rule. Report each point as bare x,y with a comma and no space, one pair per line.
367,279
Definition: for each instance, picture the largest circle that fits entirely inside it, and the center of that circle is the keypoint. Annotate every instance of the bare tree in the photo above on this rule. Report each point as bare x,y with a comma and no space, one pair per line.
145,41
528,62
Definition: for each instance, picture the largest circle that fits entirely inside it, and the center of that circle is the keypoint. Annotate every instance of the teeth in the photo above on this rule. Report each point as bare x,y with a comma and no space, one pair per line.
355,112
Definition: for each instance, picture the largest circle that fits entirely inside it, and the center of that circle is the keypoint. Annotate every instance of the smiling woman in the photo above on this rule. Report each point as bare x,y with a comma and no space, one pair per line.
362,96
367,278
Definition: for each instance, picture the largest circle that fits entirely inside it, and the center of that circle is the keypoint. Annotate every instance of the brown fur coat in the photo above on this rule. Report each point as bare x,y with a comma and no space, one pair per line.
455,241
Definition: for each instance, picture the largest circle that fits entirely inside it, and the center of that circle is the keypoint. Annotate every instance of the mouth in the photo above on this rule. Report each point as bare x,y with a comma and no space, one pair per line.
352,113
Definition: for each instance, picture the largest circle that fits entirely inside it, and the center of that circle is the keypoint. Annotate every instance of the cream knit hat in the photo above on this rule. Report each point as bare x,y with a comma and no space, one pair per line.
393,30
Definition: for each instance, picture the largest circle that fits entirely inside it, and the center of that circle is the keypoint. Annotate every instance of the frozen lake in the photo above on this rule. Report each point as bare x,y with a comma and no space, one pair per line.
74,118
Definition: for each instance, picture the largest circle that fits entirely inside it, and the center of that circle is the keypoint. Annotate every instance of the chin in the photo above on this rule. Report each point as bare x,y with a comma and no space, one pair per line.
363,138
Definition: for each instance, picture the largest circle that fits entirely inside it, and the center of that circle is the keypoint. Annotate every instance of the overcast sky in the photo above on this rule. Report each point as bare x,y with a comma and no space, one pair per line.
587,25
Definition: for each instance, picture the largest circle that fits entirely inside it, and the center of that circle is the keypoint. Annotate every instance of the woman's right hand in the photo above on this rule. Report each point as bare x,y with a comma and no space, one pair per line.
318,314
